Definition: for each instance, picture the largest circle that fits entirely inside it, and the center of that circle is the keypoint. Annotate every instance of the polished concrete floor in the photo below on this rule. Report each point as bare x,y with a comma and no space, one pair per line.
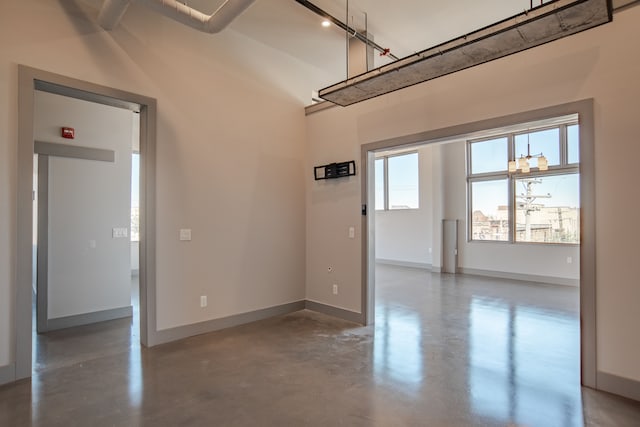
445,351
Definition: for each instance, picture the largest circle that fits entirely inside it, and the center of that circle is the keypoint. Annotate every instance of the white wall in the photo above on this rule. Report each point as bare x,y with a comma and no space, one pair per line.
88,270
230,150
595,64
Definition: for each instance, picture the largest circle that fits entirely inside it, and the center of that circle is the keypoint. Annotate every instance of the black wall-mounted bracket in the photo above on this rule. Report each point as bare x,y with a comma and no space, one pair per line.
334,170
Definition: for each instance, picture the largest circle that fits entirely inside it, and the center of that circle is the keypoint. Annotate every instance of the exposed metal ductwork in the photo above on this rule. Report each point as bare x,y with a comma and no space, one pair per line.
551,21
113,10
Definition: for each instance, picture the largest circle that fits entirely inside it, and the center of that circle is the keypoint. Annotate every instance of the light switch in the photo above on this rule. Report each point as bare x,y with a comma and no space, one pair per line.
185,234
119,232
92,244
352,232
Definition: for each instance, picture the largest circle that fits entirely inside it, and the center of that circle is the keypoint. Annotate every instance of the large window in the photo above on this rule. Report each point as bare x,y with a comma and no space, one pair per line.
539,206
397,182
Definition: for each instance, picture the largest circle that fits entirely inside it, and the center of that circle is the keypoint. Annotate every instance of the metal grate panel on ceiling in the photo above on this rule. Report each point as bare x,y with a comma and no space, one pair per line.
548,22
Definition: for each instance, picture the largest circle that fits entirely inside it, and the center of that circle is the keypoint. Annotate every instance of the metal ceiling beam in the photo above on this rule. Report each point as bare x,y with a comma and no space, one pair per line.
545,23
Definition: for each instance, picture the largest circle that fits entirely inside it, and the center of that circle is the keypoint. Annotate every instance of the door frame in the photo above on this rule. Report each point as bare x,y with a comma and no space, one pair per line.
32,79
585,110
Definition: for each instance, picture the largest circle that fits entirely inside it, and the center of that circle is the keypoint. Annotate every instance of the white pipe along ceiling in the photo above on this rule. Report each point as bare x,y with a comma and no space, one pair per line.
112,12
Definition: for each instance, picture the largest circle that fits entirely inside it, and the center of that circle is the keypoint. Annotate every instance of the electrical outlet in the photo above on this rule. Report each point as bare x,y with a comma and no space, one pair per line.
569,260
203,301
185,234
335,289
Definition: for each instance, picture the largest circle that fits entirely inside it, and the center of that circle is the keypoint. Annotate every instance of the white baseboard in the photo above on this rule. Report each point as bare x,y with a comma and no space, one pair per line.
7,373
519,276
411,264
180,332
340,313
618,385
485,273
88,318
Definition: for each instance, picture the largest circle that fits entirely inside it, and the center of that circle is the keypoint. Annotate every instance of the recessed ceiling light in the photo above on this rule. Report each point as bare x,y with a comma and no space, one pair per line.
326,23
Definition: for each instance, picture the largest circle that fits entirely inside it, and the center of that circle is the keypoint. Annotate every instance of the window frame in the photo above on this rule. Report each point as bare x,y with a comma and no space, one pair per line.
564,168
510,214
386,192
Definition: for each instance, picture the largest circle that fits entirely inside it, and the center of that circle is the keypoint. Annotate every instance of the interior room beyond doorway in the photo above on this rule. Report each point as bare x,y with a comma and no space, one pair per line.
86,226
516,225
449,186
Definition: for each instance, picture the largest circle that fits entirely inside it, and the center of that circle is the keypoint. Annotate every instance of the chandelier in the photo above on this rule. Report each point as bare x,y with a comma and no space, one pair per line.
522,163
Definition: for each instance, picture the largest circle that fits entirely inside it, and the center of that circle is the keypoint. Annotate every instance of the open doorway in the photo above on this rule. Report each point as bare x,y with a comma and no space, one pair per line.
584,316
84,259
32,80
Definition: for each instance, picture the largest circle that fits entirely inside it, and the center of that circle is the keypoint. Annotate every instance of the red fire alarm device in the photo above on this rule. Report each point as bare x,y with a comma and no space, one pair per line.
68,133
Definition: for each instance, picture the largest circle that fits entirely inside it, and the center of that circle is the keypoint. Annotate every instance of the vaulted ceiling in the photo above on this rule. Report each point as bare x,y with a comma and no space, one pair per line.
402,26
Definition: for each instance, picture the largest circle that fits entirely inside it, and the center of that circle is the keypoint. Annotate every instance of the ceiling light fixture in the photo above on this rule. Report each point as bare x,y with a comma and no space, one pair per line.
523,161
326,23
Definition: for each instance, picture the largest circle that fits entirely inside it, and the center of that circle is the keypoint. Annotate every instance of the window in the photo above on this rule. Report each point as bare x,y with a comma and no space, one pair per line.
397,182
541,206
380,184
546,142
573,147
489,156
547,209
490,215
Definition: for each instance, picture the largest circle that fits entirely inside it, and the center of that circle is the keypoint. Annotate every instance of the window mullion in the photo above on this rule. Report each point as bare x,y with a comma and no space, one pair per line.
512,192
469,205
511,147
564,148
469,159
386,183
